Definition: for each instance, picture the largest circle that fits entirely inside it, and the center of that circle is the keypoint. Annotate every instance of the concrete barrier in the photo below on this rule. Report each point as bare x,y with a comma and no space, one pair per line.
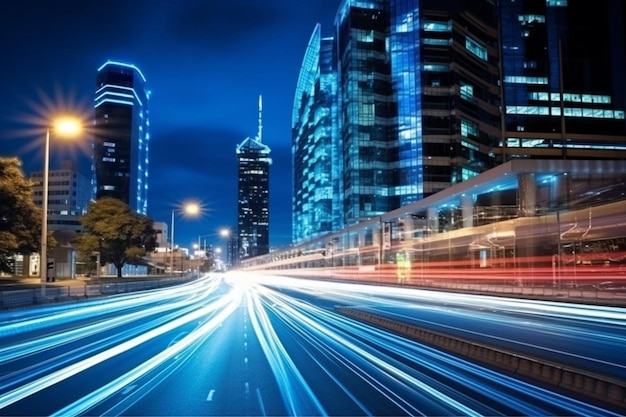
598,387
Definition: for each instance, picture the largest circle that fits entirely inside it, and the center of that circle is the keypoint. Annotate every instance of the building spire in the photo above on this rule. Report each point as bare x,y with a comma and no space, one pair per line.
259,136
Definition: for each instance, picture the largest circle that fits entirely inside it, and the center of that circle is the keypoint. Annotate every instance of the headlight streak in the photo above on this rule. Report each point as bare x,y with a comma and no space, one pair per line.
338,343
580,312
454,330
420,354
337,358
297,396
415,378
299,313
48,380
410,298
32,346
59,361
10,325
224,307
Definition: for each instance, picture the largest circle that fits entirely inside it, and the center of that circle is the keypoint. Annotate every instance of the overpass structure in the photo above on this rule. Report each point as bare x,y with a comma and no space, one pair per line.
526,222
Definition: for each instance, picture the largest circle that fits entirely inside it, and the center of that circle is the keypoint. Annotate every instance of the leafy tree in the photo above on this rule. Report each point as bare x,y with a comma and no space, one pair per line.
20,218
120,235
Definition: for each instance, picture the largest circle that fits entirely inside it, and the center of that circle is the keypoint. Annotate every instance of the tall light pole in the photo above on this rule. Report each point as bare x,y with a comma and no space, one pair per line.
223,232
43,257
67,127
192,209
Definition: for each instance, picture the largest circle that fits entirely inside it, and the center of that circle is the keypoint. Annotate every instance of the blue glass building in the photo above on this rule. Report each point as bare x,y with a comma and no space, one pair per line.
317,173
412,100
121,135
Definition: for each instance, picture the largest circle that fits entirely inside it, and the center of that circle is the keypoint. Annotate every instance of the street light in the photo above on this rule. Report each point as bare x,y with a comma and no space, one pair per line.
223,232
68,127
191,209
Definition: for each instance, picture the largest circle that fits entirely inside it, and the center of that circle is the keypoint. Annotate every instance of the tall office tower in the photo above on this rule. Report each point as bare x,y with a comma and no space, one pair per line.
564,88
253,194
416,98
121,135
316,159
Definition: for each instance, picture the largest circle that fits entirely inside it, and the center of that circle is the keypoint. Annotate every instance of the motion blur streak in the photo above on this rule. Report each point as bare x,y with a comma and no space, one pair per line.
225,307
40,318
187,350
333,332
298,397
73,369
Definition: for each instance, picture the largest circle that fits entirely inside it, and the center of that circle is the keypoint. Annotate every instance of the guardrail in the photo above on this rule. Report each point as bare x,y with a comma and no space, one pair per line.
49,293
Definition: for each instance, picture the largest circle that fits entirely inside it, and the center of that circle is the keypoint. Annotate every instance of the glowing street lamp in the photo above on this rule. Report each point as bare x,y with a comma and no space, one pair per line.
223,232
64,127
190,209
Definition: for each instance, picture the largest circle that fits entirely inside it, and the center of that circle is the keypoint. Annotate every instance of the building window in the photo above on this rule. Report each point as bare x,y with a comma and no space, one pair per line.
467,92
556,3
437,26
468,129
476,48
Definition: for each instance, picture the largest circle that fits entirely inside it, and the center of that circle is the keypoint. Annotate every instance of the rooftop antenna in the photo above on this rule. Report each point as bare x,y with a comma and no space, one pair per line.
259,136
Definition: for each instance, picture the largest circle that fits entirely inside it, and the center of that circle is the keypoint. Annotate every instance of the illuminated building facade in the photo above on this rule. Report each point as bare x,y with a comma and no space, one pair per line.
411,96
563,79
316,157
121,135
253,195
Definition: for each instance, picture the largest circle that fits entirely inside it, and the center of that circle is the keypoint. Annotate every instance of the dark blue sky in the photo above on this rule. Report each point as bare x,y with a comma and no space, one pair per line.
205,61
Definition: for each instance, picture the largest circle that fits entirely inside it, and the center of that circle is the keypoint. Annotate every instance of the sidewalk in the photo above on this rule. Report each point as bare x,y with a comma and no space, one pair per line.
12,282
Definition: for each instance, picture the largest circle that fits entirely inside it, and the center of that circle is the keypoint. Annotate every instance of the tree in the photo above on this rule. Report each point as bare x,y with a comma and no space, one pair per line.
120,235
20,218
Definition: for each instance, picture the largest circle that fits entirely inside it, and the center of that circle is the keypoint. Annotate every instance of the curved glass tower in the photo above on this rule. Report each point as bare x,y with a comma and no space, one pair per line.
316,162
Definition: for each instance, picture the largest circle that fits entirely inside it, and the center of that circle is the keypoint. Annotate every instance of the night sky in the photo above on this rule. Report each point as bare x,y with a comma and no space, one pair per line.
205,61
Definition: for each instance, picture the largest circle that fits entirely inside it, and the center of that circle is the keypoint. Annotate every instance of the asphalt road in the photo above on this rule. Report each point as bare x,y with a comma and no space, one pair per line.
260,345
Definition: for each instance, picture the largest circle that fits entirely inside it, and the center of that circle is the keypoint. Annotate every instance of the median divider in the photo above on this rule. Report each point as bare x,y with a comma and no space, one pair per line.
599,387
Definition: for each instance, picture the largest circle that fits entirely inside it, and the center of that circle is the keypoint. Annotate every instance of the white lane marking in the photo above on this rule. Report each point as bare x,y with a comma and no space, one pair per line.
210,396
260,399
128,389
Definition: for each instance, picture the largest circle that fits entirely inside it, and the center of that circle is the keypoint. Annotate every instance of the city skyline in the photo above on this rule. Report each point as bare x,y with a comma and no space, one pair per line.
205,66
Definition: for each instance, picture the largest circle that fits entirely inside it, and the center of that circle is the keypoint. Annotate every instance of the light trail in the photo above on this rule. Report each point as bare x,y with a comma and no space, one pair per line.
224,307
315,356
142,336
325,329
298,397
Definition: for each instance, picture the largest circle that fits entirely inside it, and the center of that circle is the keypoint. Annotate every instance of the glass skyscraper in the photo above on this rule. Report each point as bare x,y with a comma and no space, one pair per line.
411,95
316,162
121,135
253,195
564,88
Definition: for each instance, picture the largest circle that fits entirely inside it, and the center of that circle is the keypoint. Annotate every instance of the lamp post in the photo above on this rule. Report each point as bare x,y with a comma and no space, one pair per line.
223,232
192,209
67,127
